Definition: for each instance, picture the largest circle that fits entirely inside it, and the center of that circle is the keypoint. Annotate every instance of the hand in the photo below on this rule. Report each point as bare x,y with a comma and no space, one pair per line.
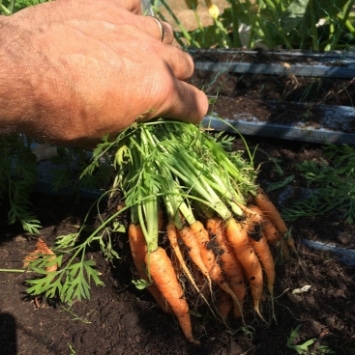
95,67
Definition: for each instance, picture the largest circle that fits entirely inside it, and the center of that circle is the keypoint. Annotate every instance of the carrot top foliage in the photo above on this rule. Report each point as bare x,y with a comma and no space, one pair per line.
160,164
175,164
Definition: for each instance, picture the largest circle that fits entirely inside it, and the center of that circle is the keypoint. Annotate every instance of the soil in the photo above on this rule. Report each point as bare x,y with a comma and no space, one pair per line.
118,319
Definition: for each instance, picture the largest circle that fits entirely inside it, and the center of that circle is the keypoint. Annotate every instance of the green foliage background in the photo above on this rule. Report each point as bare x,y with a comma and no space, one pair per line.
8,7
289,24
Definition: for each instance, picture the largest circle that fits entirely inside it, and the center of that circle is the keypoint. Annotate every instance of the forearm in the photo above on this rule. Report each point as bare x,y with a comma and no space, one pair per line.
15,91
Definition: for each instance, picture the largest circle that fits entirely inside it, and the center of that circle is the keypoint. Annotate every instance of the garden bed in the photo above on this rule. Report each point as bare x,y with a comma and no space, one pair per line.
291,95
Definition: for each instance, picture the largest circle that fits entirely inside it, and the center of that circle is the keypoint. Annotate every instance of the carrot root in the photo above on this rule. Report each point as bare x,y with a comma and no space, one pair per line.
188,237
263,252
270,211
231,267
238,237
162,272
138,250
209,259
173,240
272,234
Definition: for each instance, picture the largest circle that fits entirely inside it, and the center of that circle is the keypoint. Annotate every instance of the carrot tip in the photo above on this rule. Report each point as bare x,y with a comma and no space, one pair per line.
194,341
257,310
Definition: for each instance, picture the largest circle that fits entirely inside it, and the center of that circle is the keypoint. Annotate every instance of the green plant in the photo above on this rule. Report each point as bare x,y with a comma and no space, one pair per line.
309,347
8,7
71,349
330,183
19,173
76,271
290,24
67,166
301,349
74,316
17,178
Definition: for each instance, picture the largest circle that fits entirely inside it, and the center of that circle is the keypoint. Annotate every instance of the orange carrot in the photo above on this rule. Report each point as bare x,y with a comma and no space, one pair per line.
250,214
270,210
230,265
263,252
200,232
271,233
209,260
188,237
202,238
172,236
238,237
173,240
138,248
162,272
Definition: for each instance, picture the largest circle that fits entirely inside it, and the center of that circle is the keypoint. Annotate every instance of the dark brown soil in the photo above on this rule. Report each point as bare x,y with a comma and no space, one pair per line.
121,320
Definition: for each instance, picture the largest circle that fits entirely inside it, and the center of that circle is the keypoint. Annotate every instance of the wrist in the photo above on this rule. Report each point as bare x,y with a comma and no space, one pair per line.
16,100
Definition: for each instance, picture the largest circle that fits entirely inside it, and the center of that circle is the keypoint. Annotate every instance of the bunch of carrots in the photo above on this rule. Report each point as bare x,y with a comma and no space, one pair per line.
196,210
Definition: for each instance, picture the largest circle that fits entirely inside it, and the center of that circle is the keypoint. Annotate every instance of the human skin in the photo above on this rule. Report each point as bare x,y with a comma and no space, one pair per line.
72,71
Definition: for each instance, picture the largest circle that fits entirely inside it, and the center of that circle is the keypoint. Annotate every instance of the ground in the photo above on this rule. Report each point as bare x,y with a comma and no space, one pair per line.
118,319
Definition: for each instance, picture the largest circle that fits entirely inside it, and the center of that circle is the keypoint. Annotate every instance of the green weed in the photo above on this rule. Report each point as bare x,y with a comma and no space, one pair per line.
17,178
308,347
330,183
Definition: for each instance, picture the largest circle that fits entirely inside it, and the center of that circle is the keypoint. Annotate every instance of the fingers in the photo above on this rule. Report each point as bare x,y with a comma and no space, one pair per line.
179,62
139,7
156,28
187,103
